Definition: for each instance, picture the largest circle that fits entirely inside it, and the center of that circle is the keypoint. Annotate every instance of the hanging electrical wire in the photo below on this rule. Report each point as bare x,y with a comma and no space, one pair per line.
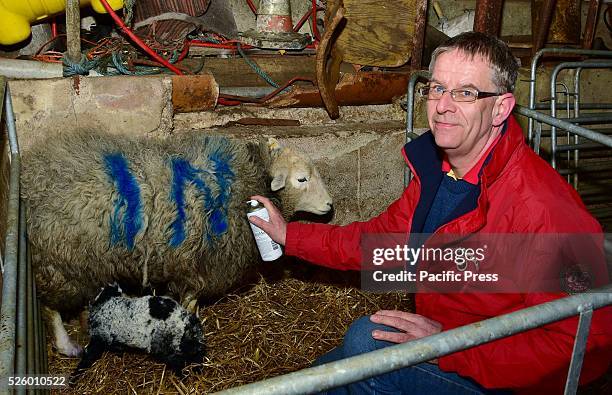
269,96
137,40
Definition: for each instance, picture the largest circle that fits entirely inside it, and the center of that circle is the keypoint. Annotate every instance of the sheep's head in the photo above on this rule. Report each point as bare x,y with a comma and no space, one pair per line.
297,181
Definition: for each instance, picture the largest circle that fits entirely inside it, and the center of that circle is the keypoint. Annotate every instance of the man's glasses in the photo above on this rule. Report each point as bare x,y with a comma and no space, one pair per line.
463,95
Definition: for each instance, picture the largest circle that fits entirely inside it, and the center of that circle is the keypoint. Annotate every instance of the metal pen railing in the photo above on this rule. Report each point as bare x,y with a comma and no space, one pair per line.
553,97
556,52
568,126
22,345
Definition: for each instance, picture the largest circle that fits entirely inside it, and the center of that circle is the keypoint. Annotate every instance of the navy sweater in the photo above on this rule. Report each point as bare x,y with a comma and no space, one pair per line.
451,193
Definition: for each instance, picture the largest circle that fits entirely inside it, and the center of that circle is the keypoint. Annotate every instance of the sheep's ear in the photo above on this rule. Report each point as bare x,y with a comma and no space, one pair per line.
273,145
278,182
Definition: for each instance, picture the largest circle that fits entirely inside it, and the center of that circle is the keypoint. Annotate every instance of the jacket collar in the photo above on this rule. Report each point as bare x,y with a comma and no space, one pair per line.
511,141
424,157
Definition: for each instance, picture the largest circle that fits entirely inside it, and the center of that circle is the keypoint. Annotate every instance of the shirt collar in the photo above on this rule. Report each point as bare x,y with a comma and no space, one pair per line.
472,175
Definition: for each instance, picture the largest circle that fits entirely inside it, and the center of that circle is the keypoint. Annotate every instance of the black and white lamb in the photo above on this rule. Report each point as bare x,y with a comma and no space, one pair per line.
157,325
149,212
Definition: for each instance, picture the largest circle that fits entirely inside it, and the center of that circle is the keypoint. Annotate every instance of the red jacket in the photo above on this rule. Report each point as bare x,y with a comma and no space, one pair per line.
519,193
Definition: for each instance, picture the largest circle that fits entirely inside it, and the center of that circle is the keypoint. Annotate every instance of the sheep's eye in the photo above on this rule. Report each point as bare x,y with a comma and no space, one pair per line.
302,179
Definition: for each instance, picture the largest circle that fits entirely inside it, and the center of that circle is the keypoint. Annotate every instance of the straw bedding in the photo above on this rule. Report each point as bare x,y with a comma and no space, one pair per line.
266,329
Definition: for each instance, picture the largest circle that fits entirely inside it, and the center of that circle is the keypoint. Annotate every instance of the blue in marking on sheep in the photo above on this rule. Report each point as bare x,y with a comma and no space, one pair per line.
183,174
126,219
225,177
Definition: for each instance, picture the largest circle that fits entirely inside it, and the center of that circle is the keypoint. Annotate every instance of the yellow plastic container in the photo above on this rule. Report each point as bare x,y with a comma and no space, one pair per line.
16,16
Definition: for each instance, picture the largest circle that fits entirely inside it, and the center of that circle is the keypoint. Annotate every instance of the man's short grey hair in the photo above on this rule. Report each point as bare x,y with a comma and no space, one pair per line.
493,50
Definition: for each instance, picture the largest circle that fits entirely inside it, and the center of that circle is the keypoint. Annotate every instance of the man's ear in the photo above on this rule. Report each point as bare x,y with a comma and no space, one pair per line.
504,104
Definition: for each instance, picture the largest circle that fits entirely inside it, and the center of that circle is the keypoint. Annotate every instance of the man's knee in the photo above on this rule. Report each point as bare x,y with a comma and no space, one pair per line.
358,338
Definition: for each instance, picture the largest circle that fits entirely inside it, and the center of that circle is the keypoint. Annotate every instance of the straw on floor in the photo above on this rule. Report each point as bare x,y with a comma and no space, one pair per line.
268,329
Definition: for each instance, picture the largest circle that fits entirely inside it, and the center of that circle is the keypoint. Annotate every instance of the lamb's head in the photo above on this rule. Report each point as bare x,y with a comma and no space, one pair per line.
297,181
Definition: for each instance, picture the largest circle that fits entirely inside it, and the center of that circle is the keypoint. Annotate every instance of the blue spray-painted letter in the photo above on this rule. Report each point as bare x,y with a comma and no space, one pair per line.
126,219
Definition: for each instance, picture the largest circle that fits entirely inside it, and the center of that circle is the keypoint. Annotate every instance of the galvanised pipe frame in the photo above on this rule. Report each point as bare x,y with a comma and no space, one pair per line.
22,340
532,77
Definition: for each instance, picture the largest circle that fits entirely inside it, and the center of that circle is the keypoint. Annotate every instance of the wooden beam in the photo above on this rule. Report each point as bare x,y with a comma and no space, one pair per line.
488,16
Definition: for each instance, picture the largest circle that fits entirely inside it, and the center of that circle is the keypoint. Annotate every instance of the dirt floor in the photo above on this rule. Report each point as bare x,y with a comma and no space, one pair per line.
271,327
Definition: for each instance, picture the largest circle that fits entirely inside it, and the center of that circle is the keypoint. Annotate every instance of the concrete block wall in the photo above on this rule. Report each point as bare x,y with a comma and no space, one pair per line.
114,104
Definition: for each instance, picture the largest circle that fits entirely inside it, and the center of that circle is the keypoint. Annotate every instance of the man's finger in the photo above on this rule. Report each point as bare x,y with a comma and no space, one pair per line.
393,322
401,314
259,222
394,337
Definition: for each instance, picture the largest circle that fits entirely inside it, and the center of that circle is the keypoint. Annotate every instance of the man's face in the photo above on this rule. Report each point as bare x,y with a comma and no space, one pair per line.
461,129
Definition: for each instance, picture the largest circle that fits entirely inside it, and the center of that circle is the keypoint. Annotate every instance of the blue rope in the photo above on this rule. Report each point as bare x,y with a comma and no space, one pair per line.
81,68
121,69
128,9
256,68
175,56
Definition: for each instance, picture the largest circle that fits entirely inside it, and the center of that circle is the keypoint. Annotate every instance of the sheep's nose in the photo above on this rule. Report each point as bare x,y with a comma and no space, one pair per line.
330,205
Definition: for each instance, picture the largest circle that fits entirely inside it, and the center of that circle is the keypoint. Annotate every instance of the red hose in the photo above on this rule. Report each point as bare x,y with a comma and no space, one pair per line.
137,40
252,6
205,44
225,102
298,25
315,31
53,28
269,95
226,45
184,52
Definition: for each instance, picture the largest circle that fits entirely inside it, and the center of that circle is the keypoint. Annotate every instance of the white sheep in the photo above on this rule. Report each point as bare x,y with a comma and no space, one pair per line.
169,214
157,325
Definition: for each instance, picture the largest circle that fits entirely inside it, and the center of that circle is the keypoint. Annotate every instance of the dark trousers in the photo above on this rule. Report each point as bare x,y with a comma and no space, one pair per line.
424,378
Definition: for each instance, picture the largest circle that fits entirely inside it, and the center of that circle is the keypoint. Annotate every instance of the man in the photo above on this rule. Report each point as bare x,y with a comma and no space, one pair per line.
473,173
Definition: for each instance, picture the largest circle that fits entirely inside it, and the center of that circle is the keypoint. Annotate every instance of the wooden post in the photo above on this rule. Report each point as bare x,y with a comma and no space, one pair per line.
73,30
488,16
540,33
591,24
418,41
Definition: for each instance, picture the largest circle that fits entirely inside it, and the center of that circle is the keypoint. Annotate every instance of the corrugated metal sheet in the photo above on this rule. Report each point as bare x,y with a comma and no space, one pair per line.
170,30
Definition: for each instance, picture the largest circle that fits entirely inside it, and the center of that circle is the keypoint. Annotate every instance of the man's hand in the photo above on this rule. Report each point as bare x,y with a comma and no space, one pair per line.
411,326
276,228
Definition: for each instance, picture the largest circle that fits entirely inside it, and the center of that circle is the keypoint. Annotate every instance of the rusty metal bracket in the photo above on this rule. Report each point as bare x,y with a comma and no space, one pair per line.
194,92
488,16
358,89
591,24
546,13
325,81
418,39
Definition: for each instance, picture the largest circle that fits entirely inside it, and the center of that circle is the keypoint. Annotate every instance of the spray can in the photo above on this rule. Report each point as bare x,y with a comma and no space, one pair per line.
268,248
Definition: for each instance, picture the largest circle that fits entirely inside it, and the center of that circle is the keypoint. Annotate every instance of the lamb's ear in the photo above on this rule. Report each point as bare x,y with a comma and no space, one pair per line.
115,286
278,182
273,146
108,292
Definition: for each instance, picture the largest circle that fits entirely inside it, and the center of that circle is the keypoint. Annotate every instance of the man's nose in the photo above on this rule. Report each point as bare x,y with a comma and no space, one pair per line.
445,103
